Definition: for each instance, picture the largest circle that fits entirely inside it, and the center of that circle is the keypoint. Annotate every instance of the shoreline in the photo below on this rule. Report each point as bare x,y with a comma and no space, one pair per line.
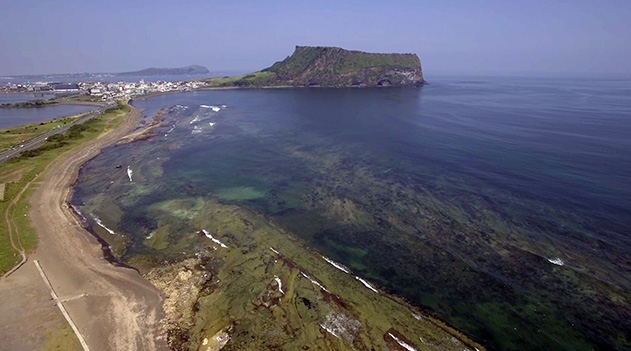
63,191
415,309
128,306
150,95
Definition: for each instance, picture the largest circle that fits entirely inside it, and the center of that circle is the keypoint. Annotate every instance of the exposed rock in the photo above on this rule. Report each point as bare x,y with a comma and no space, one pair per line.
181,284
271,296
333,67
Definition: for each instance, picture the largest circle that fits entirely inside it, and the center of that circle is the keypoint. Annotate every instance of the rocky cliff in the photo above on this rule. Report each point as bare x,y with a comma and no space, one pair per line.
334,67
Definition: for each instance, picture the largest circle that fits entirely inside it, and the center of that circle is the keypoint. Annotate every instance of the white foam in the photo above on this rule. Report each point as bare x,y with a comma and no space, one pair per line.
339,266
404,344
100,224
367,284
274,250
329,330
280,284
76,209
150,235
214,108
129,172
558,261
209,236
196,119
211,124
416,316
313,281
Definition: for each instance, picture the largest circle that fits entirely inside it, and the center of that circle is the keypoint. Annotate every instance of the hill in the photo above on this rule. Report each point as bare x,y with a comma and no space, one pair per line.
193,69
322,66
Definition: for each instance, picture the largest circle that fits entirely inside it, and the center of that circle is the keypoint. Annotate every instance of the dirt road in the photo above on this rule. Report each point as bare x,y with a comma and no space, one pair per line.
118,309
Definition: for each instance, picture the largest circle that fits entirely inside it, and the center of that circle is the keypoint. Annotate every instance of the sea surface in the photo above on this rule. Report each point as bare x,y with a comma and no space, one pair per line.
13,117
9,98
502,205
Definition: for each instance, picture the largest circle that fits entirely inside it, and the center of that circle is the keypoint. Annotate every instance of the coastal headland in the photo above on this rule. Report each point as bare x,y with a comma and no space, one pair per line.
323,66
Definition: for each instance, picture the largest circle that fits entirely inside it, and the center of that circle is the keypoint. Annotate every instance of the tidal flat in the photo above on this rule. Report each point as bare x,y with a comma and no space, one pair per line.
503,214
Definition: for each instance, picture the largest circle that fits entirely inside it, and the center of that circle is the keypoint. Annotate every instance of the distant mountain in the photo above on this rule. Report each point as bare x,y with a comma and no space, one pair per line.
193,69
322,66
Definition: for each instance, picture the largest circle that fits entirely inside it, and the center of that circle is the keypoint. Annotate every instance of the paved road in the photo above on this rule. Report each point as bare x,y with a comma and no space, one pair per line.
35,142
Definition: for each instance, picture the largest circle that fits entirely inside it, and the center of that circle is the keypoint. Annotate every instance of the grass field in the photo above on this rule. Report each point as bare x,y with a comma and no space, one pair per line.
18,177
255,79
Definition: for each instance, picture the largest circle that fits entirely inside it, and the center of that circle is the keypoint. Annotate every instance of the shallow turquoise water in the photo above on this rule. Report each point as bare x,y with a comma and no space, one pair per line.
463,196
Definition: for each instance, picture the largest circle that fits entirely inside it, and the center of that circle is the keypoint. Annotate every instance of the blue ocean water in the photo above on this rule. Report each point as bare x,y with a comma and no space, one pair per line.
503,205
9,98
13,117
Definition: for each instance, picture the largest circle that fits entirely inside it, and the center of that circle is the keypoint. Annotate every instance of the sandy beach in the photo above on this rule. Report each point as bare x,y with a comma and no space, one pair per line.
114,308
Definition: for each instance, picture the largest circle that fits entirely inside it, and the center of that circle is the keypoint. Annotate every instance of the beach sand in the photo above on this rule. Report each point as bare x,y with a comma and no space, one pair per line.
120,309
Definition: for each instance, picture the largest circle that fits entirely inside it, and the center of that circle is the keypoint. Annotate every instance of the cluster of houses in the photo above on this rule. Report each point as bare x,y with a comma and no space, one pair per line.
40,87
106,91
110,91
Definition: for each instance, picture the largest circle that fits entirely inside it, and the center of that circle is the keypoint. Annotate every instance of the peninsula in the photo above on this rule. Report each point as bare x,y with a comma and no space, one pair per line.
193,69
322,66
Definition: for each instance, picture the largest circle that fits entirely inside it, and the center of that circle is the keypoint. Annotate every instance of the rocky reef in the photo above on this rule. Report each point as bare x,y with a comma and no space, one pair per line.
256,288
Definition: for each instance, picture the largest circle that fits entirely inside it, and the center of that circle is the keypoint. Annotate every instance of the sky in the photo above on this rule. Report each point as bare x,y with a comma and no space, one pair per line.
450,37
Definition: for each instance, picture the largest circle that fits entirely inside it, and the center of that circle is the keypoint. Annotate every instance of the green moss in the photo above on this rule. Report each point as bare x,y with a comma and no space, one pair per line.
244,272
158,239
241,193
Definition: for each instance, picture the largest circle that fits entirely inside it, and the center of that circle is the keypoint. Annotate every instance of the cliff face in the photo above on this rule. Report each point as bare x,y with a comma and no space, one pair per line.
318,66
331,66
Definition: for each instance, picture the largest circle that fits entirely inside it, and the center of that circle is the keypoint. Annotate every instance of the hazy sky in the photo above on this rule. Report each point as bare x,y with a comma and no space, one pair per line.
497,37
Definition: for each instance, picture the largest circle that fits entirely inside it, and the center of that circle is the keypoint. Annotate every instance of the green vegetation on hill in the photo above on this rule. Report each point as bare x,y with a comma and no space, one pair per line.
332,67
297,62
340,61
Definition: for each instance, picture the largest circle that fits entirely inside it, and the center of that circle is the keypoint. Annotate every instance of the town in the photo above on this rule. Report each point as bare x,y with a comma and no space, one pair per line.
104,91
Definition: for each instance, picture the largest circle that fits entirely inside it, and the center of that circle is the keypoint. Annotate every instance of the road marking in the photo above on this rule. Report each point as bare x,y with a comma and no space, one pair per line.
61,307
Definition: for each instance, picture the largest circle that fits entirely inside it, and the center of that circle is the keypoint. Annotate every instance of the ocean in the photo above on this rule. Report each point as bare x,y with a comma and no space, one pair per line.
13,117
501,205
9,98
